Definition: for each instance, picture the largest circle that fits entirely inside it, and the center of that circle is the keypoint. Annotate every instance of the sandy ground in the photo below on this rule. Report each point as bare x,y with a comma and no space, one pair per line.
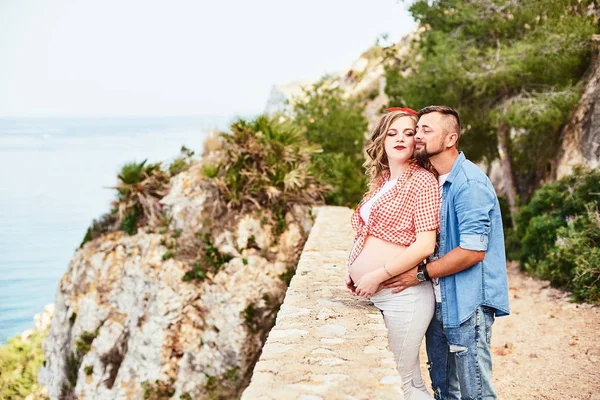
548,348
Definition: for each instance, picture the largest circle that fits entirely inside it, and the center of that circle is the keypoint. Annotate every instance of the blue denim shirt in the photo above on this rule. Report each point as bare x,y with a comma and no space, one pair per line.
470,218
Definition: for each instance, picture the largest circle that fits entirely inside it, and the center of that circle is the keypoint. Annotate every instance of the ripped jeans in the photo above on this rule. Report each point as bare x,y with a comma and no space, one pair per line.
460,363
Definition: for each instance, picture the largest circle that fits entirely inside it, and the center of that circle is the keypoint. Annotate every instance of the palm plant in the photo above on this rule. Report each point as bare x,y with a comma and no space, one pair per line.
267,164
139,190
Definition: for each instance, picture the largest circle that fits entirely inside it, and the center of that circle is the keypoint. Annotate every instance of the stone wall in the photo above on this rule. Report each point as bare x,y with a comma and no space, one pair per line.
326,344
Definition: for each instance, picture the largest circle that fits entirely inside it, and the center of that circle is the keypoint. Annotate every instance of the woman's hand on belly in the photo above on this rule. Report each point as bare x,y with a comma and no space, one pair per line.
369,283
349,283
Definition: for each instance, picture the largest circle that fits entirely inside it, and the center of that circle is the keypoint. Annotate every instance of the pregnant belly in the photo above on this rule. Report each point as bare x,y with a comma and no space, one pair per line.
375,252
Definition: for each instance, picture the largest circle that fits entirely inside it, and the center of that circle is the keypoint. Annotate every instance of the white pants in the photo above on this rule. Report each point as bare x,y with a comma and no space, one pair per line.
407,315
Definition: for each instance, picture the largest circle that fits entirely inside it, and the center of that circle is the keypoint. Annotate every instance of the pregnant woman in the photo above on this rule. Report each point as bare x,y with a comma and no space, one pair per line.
396,226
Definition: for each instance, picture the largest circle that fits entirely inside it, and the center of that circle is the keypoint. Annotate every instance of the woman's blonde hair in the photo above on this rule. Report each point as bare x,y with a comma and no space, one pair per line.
377,165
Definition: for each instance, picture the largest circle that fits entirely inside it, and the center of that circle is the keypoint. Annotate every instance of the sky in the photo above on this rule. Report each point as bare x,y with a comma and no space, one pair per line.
76,58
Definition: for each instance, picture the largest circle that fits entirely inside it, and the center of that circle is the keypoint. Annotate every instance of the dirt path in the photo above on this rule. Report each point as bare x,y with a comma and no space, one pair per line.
548,348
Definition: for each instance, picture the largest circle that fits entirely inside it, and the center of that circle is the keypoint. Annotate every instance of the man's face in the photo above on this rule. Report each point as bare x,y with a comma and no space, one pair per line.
430,136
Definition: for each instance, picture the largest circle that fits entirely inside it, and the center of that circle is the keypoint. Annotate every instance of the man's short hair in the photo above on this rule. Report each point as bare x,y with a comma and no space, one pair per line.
452,122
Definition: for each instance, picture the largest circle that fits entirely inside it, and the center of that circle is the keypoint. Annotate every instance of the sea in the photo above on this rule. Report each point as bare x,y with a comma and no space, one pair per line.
56,176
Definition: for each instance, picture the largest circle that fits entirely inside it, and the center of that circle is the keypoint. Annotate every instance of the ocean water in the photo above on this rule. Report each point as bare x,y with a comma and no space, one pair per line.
54,179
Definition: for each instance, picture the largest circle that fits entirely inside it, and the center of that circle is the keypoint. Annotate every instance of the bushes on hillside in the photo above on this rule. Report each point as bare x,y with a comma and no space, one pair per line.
513,70
140,187
20,361
338,125
560,234
267,164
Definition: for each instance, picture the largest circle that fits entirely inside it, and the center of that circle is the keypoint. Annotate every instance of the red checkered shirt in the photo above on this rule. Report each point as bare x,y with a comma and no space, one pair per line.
410,207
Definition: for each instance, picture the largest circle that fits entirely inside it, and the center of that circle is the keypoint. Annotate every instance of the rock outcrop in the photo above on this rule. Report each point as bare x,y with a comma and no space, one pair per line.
128,324
581,136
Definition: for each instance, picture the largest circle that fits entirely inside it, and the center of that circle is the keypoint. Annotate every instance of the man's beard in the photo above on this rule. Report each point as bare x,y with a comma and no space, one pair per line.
424,152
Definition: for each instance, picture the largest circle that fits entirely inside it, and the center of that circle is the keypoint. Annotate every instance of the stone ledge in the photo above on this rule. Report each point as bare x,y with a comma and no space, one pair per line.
326,344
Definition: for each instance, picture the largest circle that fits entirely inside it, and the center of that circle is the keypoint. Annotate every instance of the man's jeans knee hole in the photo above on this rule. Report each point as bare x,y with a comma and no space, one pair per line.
437,393
458,349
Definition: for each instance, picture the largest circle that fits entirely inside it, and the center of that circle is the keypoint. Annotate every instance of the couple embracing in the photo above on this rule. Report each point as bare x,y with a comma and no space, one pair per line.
429,252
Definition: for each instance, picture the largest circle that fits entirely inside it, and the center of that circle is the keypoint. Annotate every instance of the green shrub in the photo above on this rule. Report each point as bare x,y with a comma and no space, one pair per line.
177,166
210,170
574,263
19,364
181,163
267,165
338,125
129,223
560,234
84,343
197,272
106,223
514,67
139,190
552,206
212,260
344,175
330,120
540,237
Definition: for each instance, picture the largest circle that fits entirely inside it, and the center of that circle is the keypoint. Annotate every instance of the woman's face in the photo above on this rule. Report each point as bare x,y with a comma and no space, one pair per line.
399,142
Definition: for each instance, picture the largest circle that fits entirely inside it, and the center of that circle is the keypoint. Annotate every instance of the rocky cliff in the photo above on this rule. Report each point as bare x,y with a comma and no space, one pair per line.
581,135
128,324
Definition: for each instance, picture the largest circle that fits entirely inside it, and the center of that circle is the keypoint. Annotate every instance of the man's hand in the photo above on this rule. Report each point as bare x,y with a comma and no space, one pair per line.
349,284
402,281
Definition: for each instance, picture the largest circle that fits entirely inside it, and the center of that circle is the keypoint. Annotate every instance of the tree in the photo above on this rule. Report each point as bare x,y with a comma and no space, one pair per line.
338,125
513,71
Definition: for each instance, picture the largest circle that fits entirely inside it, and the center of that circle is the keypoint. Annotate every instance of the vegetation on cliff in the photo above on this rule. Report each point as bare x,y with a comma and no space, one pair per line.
513,71
139,188
263,165
20,361
560,234
266,164
338,125
225,234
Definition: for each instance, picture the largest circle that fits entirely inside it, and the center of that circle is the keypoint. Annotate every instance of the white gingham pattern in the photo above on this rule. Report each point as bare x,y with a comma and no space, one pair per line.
411,206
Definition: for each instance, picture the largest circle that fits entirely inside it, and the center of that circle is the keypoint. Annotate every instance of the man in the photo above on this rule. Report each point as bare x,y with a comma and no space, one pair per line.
468,269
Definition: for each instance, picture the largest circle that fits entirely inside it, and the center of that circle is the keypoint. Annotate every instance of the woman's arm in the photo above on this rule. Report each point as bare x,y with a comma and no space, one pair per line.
426,223
421,248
